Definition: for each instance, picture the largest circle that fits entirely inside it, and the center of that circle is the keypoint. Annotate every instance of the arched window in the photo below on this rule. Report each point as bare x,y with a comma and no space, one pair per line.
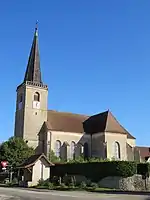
58,148
36,96
72,149
116,150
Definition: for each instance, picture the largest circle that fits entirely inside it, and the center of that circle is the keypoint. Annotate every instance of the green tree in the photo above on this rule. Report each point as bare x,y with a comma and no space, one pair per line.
15,151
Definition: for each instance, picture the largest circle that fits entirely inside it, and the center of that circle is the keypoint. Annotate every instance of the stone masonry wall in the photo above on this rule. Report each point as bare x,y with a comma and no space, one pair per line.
134,183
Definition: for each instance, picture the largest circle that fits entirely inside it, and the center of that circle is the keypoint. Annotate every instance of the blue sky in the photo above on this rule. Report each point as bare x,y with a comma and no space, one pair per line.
95,55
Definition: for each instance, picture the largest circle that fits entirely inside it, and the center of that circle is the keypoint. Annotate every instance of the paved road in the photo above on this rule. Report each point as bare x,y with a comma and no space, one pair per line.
24,194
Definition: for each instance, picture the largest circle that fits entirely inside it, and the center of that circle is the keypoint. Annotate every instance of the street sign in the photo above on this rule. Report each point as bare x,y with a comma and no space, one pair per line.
4,164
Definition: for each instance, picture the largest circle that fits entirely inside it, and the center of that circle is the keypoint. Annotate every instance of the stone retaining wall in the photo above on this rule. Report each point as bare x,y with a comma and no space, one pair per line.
134,183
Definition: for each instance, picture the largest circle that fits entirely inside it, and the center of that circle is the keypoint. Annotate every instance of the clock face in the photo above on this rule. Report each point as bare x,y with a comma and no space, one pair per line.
36,104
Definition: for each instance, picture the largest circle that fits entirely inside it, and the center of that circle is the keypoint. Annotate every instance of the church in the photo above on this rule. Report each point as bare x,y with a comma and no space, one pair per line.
68,135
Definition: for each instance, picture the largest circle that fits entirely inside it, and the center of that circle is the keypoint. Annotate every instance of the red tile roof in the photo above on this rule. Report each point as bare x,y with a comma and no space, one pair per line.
70,122
33,159
105,122
144,151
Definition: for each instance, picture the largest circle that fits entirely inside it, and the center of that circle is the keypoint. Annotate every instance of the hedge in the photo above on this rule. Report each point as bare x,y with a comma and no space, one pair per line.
143,169
97,170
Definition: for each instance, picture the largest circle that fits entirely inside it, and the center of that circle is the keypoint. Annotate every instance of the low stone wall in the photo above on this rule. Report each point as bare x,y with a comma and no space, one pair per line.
134,183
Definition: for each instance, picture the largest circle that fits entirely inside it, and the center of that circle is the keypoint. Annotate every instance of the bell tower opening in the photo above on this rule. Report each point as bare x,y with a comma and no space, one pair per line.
37,97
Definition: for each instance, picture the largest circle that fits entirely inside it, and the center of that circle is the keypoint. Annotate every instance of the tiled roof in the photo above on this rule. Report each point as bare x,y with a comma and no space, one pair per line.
144,151
67,122
70,122
33,159
105,122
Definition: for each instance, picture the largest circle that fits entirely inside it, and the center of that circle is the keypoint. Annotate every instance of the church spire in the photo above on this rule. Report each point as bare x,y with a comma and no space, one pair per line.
33,71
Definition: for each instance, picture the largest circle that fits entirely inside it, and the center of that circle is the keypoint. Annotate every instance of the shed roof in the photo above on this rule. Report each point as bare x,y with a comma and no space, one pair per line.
33,159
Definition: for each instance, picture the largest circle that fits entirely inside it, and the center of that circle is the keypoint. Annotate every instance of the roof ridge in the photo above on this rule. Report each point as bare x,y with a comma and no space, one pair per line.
142,146
100,113
106,124
70,113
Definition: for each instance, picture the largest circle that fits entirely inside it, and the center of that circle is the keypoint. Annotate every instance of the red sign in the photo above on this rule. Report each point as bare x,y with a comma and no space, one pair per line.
4,164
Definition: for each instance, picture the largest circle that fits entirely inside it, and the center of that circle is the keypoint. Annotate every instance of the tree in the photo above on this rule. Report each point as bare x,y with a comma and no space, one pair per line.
15,151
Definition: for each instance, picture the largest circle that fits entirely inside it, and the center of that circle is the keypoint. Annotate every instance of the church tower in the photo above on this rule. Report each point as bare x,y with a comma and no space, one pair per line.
31,103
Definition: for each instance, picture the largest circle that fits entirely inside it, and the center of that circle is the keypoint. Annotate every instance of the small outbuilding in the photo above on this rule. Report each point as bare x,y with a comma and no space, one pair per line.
35,168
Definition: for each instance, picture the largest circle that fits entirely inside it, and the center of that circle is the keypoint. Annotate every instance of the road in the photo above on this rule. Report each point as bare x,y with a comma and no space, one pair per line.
25,194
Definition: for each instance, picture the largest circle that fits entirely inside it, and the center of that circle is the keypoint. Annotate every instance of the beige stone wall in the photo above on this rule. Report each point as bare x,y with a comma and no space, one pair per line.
130,153
34,118
69,137
19,115
33,143
40,171
121,139
100,141
29,120
36,173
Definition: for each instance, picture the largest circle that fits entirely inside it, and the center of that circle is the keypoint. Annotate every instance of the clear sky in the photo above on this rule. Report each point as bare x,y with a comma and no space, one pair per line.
95,55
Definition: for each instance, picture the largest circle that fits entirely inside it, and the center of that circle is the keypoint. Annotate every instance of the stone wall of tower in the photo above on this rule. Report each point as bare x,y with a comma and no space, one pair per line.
29,119
19,114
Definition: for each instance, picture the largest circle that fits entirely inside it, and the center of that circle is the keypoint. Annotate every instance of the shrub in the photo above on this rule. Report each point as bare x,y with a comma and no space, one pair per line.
62,185
94,185
15,181
79,159
50,185
42,183
96,170
55,180
72,185
9,184
67,179
45,184
83,185
53,158
88,183
125,168
143,169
